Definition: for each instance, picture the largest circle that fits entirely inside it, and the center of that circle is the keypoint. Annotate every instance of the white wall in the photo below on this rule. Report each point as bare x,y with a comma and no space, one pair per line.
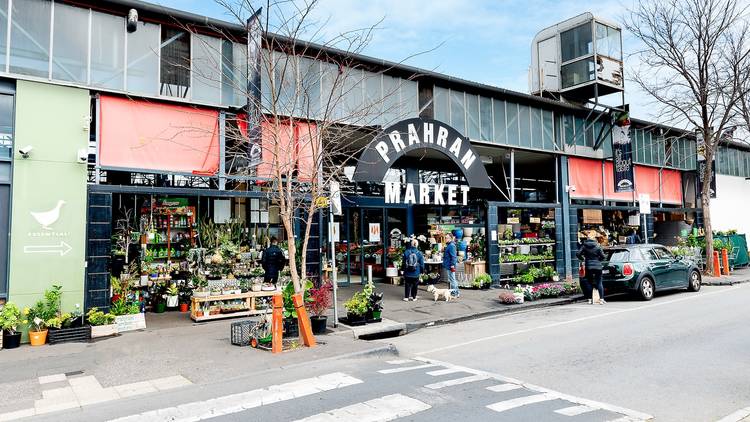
731,208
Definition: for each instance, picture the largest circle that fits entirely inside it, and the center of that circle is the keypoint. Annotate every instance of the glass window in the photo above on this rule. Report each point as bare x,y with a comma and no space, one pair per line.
227,74
285,85
458,116
485,118
590,133
570,131
6,126
175,63
71,44
472,116
511,109
498,110
617,255
576,42
29,37
608,42
663,253
524,124
352,95
239,81
310,85
3,32
391,100
580,129
441,103
107,51
206,67
143,59
577,73
409,99
649,254
536,128
647,148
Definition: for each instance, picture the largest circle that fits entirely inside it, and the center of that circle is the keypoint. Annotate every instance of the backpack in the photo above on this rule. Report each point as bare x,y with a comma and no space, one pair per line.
412,261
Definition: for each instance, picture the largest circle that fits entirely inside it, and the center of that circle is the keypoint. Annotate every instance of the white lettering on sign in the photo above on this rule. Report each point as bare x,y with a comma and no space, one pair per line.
426,194
382,148
413,137
427,133
442,138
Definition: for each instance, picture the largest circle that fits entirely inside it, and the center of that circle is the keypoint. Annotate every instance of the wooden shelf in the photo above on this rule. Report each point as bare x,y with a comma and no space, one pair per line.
249,298
229,315
515,245
528,262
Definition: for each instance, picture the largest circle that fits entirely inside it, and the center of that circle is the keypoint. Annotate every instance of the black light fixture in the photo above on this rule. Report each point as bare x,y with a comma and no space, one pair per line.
132,24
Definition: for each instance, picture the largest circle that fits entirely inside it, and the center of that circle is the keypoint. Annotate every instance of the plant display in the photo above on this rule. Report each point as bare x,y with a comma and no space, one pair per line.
321,300
10,318
64,320
172,290
97,317
525,241
122,307
518,257
549,271
481,280
357,305
287,294
549,290
507,298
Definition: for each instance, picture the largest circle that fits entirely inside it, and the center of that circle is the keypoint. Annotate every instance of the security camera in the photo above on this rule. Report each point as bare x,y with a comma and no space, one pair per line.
132,24
83,156
25,151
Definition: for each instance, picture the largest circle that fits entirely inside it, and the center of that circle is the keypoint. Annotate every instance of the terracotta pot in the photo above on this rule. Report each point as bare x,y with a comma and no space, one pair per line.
183,307
38,338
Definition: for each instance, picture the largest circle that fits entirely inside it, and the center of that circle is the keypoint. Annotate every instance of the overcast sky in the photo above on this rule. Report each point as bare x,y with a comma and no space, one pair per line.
487,41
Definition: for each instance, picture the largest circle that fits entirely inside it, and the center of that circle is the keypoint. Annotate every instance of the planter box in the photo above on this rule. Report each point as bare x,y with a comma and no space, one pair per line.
130,322
69,335
103,330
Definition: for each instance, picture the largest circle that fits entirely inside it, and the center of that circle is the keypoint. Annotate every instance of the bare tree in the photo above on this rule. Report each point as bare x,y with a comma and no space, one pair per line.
694,63
317,114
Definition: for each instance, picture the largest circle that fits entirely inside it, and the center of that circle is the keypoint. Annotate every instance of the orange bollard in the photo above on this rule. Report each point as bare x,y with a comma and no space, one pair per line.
305,328
277,324
717,265
725,261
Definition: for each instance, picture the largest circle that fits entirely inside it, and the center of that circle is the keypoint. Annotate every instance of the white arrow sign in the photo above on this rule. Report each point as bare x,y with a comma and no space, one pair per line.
63,249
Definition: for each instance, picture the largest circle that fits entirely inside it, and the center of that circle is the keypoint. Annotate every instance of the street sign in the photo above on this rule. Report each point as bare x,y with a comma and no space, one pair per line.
336,198
644,202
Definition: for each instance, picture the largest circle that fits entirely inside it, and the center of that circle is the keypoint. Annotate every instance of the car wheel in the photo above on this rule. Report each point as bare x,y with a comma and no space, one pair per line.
647,289
694,281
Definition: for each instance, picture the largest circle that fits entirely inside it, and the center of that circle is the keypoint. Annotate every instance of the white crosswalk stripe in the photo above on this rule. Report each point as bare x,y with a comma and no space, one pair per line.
382,409
444,372
457,381
399,361
504,387
236,403
575,410
521,401
406,368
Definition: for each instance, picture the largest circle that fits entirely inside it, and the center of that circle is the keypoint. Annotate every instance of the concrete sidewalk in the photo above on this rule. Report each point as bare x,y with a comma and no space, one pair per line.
171,347
409,316
740,275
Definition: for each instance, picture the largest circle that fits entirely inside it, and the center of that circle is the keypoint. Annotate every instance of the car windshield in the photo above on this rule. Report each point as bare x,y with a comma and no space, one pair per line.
617,255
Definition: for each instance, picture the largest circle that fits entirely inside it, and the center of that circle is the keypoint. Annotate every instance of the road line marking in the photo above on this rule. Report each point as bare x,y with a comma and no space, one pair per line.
504,387
406,368
444,372
382,409
398,361
632,414
235,403
457,381
575,410
502,406
572,321
736,416
48,379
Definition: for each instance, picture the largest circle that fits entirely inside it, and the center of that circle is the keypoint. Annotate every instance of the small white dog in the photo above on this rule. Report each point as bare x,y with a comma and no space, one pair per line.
438,293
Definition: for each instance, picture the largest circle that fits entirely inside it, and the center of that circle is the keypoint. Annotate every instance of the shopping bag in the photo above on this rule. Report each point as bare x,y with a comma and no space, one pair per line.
594,295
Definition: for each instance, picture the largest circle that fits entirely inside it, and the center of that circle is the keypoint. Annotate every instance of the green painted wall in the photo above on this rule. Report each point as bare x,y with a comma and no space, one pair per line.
48,237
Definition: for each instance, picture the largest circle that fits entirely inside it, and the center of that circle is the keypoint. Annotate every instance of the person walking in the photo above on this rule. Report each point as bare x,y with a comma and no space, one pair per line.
450,260
273,261
413,267
591,255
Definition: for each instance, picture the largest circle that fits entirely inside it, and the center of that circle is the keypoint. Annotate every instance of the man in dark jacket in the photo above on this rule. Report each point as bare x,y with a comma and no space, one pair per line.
591,255
450,260
413,262
273,261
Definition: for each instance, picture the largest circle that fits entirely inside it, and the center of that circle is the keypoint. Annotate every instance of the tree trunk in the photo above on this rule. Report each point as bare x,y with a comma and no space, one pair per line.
706,206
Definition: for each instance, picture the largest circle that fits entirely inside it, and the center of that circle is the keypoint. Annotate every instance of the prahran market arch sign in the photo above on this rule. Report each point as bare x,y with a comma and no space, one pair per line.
414,134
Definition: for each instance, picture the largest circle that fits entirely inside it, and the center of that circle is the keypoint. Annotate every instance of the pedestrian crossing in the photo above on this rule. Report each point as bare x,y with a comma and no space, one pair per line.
417,389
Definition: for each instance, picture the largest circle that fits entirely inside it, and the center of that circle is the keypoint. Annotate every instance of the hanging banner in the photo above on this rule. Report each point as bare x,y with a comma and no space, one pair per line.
374,229
622,153
701,150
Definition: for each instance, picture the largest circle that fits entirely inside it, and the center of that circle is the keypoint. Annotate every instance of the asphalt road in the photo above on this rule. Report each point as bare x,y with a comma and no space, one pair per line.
681,357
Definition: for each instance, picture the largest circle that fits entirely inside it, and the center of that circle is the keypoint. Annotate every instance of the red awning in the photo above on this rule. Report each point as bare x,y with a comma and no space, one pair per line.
143,135
586,176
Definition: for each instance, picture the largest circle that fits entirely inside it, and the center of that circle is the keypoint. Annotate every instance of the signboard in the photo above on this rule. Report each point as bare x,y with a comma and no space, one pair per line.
644,203
622,154
514,220
419,134
535,220
426,194
701,150
335,232
130,322
336,199
374,232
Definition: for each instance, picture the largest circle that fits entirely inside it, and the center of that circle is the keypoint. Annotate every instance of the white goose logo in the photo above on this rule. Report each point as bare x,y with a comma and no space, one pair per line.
48,218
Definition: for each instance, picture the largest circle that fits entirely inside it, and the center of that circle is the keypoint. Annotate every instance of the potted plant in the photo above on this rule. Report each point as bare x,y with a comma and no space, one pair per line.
550,273
356,308
482,281
158,297
10,319
518,294
68,327
128,315
291,325
37,328
322,298
172,296
102,324
186,294
508,298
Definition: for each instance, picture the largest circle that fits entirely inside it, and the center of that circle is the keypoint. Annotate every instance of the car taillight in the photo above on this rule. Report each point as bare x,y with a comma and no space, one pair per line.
627,269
